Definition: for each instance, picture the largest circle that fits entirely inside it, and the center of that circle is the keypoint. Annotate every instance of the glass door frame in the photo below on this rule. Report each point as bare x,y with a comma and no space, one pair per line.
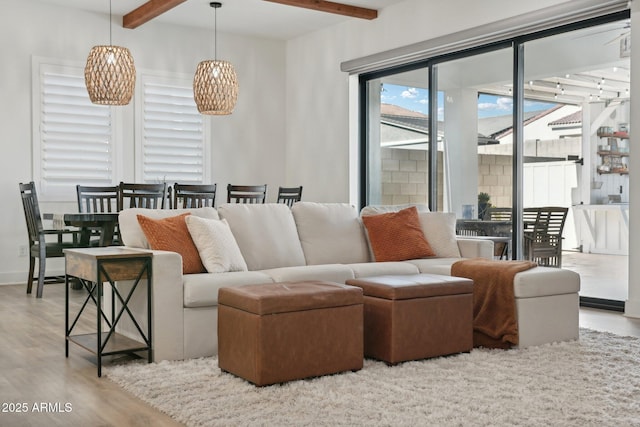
517,44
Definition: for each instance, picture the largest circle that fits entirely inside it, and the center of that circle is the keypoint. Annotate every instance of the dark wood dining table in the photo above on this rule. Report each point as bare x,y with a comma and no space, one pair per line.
105,222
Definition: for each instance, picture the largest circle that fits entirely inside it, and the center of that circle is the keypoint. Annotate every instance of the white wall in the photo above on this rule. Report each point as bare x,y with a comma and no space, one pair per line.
248,146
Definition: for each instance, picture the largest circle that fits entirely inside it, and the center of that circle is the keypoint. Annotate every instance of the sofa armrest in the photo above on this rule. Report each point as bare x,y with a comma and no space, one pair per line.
167,307
474,248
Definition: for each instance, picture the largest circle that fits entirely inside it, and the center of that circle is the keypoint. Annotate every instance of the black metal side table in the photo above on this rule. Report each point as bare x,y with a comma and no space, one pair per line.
93,267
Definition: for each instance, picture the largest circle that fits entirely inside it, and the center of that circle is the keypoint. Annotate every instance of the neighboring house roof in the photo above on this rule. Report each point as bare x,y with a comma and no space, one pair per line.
399,125
396,110
529,117
571,119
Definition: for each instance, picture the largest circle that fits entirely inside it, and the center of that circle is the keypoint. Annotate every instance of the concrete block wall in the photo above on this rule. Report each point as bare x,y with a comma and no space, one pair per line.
404,176
495,178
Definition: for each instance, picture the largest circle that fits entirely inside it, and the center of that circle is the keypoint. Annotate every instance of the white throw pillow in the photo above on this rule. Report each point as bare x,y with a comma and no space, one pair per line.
218,249
440,230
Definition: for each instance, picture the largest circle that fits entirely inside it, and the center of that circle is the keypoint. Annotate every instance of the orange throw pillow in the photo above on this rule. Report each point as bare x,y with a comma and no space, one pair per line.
397,236
172,234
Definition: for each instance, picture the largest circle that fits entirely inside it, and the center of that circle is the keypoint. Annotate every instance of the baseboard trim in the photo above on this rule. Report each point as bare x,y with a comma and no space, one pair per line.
602,304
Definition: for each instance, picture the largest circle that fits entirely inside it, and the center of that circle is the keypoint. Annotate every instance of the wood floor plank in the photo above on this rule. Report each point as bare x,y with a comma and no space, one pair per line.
57,391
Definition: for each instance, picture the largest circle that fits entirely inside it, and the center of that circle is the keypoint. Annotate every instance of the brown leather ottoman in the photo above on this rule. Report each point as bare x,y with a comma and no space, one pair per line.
278,332
416,316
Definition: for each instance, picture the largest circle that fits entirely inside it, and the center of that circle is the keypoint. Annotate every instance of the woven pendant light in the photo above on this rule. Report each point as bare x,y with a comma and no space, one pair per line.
215,84
110,75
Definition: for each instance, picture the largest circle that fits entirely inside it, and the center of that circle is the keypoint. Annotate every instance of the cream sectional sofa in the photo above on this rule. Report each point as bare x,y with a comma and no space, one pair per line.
321,241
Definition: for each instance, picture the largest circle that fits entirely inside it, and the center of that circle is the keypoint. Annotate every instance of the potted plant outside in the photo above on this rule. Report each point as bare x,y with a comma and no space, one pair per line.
483,204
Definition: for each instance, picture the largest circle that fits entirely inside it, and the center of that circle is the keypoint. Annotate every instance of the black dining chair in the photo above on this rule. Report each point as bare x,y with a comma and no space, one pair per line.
246,193
150,196
39,247
187,196
289,195
99,199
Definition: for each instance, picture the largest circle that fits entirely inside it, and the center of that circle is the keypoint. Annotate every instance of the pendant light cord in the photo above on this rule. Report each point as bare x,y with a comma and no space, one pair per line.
110,29
215,33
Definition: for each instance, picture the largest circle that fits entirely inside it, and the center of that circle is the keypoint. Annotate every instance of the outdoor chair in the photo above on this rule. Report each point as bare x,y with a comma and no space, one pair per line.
246,193
497,214
39,247
289,195
543,240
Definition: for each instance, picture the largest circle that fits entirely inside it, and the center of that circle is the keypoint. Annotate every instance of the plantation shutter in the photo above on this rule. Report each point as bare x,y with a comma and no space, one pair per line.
173,140
73,142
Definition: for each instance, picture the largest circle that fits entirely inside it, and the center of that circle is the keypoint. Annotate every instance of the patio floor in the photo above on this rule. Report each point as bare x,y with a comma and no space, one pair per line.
601,276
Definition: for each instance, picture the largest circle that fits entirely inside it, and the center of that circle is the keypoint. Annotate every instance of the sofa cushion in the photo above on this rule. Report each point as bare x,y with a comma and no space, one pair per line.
439,228
379,209
368,269
327,272
435,265
330,233
132,234
172,234
201,290
545,281
397,236
265,233
216,245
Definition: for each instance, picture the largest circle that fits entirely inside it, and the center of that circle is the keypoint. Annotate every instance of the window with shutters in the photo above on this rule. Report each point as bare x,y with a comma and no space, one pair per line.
171,141
73,139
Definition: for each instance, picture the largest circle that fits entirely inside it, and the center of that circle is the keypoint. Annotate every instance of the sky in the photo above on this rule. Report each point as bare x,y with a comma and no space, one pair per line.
417,99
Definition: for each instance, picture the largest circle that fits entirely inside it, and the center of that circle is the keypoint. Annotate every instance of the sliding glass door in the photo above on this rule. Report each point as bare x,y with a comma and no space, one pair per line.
398,136
576,149
533,124
472,120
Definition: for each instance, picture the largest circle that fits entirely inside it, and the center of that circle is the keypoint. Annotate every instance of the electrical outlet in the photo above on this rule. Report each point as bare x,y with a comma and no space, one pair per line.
22,251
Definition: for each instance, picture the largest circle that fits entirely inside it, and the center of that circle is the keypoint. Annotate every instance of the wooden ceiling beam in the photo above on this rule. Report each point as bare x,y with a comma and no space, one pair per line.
331,7
147,12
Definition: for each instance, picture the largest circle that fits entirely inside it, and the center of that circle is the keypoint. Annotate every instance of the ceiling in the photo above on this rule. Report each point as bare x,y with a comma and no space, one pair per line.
246,17
589,65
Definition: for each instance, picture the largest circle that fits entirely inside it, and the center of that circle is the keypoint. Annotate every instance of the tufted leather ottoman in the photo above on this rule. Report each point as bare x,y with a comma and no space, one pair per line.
277,332
416,316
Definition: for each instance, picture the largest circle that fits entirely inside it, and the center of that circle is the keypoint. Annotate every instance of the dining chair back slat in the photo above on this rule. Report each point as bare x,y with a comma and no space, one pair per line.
246,193
97,199
150,196
186,196
289,195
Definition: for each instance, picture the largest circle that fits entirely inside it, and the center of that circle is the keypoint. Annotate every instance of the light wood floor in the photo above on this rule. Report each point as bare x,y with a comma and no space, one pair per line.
33,368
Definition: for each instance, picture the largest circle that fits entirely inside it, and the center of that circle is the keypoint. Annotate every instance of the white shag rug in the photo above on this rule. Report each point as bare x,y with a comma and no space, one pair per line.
591,382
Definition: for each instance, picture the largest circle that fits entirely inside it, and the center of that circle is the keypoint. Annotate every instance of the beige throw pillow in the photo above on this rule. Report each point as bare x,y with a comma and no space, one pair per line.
440,230
218,249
